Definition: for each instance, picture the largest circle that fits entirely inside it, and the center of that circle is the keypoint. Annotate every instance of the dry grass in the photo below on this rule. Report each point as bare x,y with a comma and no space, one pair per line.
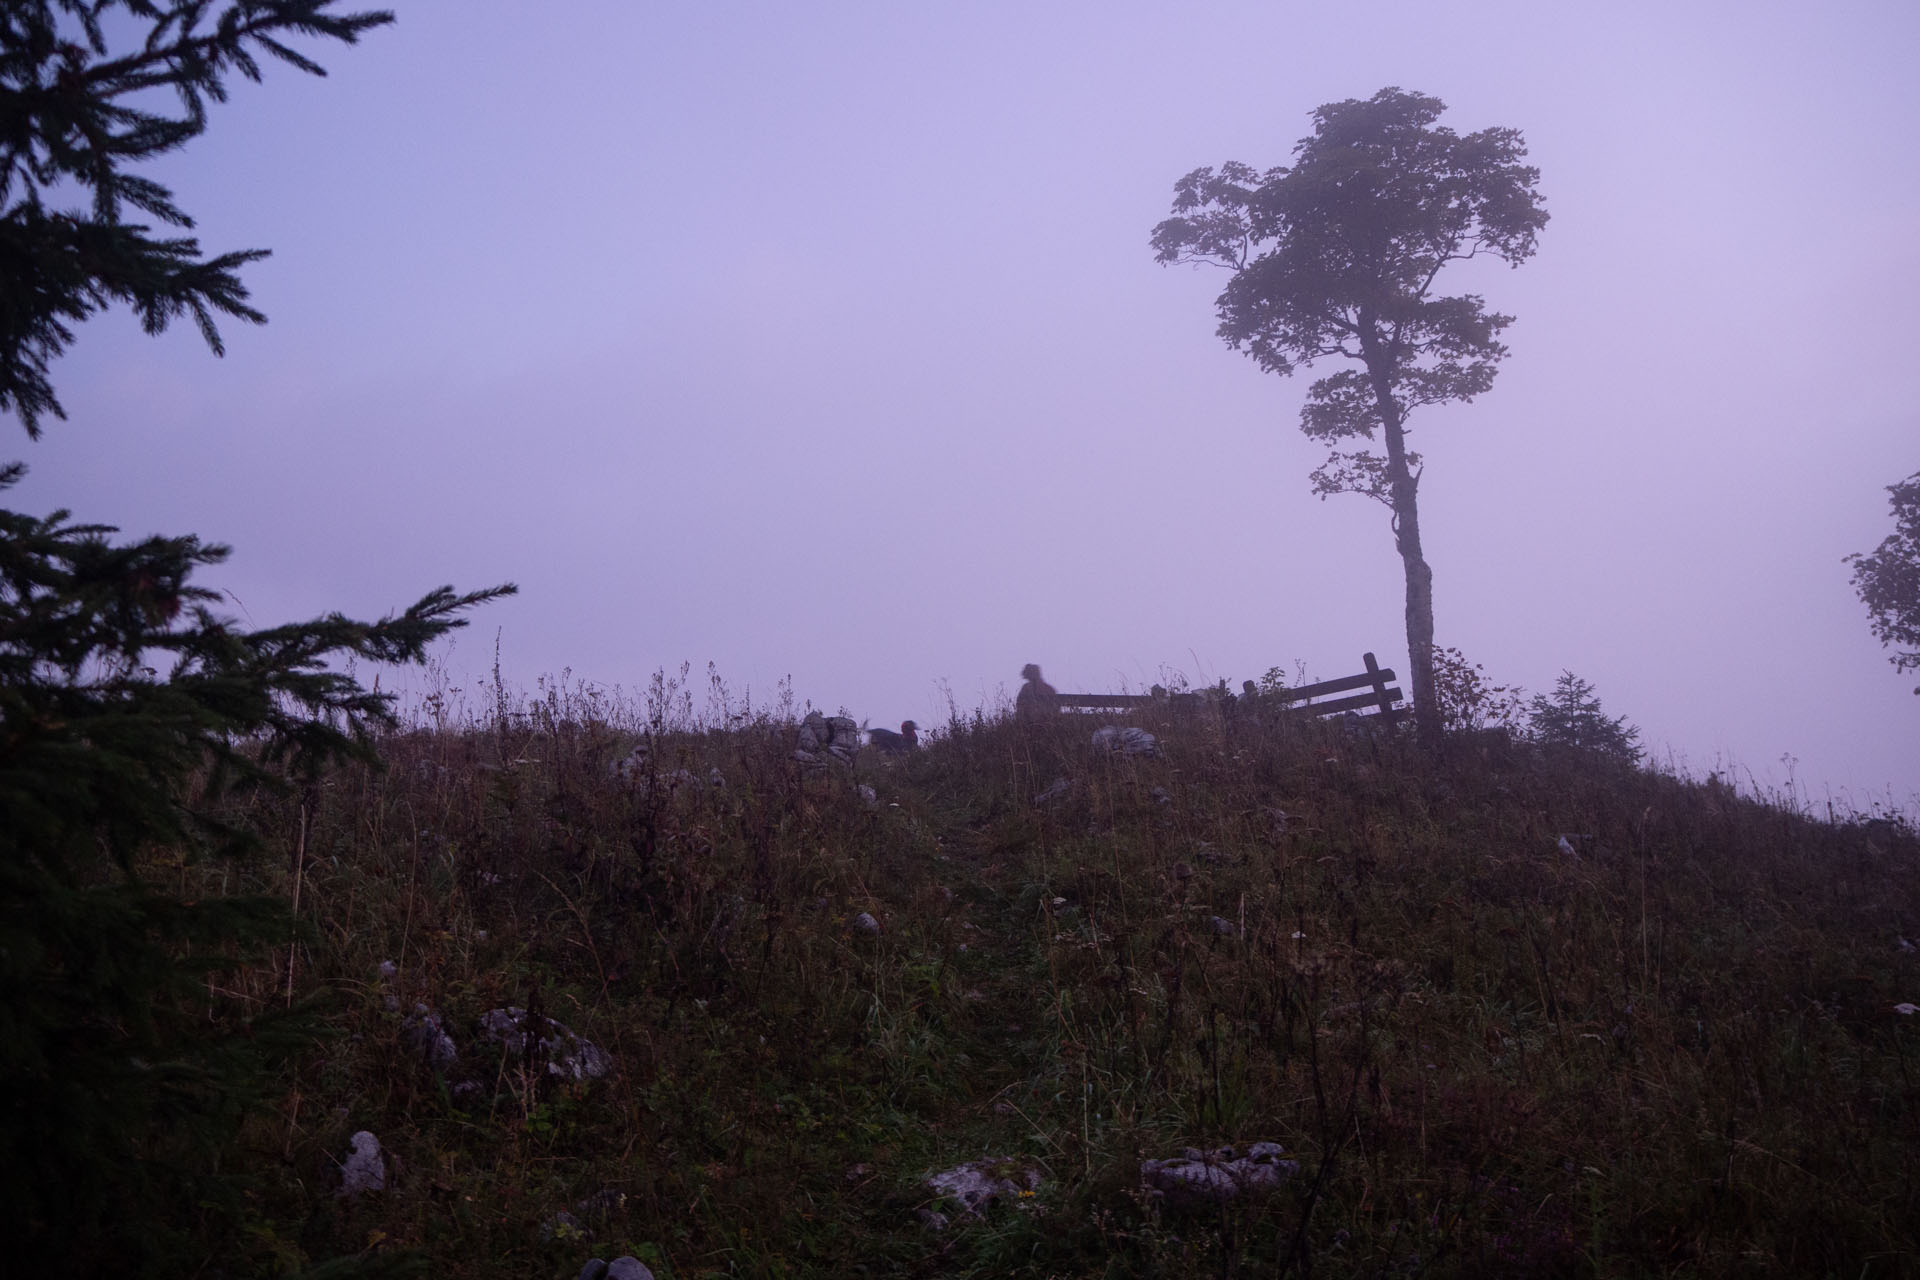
1676,1053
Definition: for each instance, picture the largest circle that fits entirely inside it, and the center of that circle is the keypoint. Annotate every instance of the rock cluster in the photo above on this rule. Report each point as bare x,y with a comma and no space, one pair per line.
568,1056
1128,740
827,739
630,766
1195,1179
973,1187
427,1038
637,766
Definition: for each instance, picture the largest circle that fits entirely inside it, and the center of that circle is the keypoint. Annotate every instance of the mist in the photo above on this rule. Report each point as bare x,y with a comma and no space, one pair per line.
828,348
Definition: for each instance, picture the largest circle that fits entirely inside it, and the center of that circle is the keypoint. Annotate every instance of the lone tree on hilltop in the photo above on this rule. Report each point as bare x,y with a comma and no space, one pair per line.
1338,256
1888,577
133,719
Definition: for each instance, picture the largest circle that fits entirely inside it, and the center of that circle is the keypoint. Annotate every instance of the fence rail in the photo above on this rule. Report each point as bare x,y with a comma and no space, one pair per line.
1376,679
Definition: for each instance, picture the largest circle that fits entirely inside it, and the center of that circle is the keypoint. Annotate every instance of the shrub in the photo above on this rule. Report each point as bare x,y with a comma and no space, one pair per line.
1468,700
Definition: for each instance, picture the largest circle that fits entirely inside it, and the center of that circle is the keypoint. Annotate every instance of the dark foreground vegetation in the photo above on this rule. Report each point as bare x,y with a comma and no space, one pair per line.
1510,1010
1514,1012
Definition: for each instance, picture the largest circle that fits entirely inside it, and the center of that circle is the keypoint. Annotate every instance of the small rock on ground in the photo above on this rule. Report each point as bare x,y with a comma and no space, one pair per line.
426,1036
1196,1178
365,1168
622,1268
1127,740
568,1056
1056,790
976,1185
562,1226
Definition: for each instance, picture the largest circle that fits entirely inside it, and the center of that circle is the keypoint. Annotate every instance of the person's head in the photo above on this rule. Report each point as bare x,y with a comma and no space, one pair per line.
1030,672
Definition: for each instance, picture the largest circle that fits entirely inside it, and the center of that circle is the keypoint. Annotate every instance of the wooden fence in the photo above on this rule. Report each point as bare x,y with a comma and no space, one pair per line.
1379,699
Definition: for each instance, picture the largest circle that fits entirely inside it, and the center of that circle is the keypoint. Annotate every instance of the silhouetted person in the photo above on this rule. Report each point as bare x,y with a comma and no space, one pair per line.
1037,700
896,744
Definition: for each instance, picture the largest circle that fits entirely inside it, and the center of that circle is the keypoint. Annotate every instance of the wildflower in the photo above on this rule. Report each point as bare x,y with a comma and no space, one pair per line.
1907,1008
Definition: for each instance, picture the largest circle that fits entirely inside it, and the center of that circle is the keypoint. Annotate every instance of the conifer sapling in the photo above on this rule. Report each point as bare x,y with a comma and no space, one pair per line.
1570,717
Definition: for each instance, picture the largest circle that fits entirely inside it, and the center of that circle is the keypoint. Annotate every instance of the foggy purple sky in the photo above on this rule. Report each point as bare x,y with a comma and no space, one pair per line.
826,341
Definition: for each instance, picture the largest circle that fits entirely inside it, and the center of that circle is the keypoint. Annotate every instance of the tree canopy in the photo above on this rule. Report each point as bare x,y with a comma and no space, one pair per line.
82,94
1888,578
1338,256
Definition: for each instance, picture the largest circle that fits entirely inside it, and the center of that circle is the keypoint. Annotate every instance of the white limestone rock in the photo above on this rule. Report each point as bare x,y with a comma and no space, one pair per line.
1055,791
365,1168
627,1267
973,1187
825,739
631,766
426,1036
1202,1178
1128,740
568,1056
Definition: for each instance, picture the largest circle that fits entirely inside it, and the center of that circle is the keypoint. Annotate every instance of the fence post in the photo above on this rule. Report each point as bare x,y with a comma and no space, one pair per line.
1380,692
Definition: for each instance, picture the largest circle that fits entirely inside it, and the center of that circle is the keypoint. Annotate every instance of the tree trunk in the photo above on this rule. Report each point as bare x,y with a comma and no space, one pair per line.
1404,489
1426,711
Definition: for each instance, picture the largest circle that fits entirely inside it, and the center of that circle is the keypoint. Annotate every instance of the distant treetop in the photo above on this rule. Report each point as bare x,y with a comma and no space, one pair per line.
1888,578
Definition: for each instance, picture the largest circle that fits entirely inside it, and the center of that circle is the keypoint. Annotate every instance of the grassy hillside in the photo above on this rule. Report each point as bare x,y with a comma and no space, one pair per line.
1674,1050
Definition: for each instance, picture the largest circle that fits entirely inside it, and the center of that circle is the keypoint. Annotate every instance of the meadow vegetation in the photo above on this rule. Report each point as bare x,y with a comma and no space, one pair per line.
1515,1007
1515,1011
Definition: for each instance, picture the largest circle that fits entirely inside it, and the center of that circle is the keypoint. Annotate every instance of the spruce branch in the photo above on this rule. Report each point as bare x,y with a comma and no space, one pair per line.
72,115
